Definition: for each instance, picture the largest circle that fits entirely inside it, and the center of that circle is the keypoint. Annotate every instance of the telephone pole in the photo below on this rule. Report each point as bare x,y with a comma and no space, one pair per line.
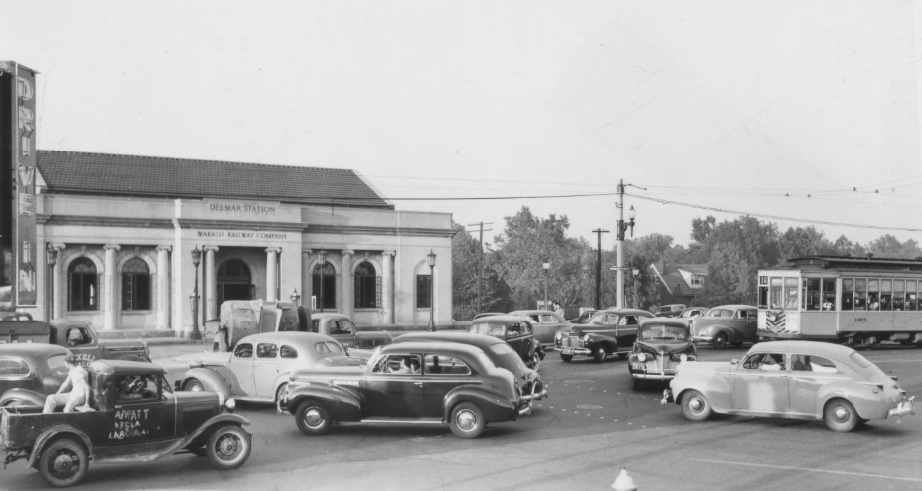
480,282
598,271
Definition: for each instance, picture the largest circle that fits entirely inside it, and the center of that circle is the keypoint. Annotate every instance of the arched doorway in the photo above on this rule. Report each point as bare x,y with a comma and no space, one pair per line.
234,281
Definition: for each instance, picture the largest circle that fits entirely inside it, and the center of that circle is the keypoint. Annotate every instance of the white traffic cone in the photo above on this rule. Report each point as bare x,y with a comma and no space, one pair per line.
624,482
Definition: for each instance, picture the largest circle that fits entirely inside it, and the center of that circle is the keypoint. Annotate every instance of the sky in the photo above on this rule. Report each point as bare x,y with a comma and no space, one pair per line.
797,113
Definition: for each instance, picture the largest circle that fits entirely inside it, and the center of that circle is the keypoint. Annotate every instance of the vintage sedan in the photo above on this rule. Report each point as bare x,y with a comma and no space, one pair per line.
584,318
611,331
661,344
546,323
458,384
727,324
260,364
791,379
514,330
29,371
530,384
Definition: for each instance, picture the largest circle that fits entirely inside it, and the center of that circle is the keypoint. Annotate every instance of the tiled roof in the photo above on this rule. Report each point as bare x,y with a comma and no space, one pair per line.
167,177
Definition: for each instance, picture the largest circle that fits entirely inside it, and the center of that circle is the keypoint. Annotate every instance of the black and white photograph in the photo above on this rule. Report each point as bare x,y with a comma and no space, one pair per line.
446,245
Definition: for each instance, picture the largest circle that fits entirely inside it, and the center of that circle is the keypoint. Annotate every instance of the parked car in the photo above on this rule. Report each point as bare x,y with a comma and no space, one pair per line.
258,367
341,328
78,336
671,310
692,313
610,331
791,379
530,384
516,331
546,323
458,384
727,324
583,318
660,346
30,371
118,427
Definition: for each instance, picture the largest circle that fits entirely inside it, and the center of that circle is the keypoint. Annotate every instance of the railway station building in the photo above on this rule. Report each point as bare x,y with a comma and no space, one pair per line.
122,230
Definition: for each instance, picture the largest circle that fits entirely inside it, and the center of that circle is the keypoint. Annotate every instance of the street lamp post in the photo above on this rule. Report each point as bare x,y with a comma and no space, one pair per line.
296,298
431,257
323,267
546,267
636,274
196,334
51,255
622,227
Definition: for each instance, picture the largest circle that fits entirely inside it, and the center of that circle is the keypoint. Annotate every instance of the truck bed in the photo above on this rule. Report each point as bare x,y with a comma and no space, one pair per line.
21,425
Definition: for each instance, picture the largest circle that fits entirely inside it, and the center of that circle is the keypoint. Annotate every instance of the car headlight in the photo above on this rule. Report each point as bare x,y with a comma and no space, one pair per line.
642,357
558,336
230,405
683,357
586,337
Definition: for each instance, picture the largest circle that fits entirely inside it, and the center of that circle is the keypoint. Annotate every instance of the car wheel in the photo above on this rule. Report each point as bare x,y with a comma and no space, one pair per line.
598,354
229,447
720,341
63,462
312,418
566,358
840,415
695,406
193,385
281,390
467,420
535,361
636,383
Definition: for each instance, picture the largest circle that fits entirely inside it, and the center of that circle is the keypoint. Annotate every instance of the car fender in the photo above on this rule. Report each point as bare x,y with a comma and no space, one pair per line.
609,342
212,380
717,390
56,431
207,427
867,404
345,405
495,406
29,397
535,346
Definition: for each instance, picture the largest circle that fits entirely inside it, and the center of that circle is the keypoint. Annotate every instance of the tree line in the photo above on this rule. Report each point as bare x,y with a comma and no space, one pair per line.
733,250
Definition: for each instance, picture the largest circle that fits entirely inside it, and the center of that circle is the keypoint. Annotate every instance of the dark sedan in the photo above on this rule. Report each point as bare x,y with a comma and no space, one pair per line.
515,330
661,344
29,371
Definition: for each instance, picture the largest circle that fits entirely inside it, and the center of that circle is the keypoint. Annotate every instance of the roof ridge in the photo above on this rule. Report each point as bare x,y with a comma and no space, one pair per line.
185,159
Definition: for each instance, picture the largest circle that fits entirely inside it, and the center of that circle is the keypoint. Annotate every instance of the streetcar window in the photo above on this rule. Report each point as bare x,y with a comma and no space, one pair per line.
829,294
861,294
790,293
763,297
911,302
848,294
873,295
774,294
813,294
886,297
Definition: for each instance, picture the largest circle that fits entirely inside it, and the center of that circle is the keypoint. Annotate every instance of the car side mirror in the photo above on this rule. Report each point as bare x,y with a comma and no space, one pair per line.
735,361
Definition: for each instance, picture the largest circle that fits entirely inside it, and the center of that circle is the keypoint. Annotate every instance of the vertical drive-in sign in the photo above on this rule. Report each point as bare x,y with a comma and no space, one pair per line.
18,162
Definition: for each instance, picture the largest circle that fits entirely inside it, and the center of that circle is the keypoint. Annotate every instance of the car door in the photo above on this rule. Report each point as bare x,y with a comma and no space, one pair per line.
343,332
516,337
749,323
808,375
145,415
442,375
760,384
393,395
240,370
626,331
266,369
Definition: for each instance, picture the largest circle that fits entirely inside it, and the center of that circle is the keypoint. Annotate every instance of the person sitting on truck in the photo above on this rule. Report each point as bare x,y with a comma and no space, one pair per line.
77,380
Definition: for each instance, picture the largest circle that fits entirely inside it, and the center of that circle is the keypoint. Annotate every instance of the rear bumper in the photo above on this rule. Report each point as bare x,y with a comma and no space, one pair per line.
905,407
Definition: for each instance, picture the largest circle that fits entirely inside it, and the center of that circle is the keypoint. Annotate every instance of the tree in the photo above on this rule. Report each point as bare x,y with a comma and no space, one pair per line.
890,247
799,242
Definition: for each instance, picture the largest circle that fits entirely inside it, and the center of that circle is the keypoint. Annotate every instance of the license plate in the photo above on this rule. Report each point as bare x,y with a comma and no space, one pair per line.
566,351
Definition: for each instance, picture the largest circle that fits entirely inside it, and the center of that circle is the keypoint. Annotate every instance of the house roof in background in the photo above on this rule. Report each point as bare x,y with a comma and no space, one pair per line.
167,177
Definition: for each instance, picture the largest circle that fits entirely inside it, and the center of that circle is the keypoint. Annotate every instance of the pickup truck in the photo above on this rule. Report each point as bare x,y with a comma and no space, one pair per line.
240,318
77,336
131,415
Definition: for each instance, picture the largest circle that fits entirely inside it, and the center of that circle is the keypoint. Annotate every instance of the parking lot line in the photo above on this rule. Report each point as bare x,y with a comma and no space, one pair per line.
788,467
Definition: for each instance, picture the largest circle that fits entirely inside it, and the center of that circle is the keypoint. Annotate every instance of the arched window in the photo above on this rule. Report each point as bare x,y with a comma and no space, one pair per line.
82,284
324,286
367,287
135,285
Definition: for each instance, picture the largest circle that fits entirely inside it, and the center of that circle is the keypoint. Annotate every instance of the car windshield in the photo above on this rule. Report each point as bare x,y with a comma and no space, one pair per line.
662,333
489,328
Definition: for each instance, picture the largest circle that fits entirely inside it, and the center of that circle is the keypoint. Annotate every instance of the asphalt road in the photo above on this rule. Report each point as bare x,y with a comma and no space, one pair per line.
592,426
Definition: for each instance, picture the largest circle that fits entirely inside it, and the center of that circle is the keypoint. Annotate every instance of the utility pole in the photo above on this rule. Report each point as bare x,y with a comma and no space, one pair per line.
598,271
622,227
480,282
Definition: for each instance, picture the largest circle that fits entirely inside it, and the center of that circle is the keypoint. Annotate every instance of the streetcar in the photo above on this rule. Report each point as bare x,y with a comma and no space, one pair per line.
844,299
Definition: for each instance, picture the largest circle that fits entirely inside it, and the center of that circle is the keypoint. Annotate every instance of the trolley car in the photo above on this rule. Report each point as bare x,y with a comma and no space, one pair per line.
851,300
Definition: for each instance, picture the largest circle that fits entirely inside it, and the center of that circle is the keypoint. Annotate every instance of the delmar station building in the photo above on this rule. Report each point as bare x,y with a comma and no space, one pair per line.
121,230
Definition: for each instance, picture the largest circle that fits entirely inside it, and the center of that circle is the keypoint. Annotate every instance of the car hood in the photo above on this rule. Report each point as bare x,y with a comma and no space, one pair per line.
707,367
663,347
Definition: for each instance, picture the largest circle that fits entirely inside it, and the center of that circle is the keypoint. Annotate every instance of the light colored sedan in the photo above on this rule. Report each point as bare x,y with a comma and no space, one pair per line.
791,379
546,323
258,367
